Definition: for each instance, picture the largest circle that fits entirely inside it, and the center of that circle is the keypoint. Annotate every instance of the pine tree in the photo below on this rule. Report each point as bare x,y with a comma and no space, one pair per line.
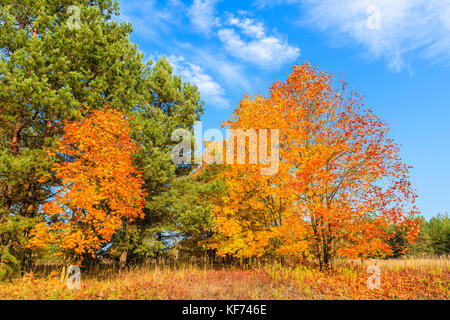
53,69
173,104
56,66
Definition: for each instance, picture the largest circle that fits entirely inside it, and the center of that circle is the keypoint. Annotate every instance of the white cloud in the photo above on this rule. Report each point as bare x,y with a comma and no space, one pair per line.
444,15
269,3
211,92
379,27
261,49
242,37
404,26
202,14
231,73
150,20
249,27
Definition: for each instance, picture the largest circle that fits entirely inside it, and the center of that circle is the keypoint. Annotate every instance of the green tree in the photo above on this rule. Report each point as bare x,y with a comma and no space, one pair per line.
438,230
171,193
434,238
50,72
423,243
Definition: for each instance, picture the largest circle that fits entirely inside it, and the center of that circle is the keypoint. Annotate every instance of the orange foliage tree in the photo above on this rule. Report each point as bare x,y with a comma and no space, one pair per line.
340,182
100,186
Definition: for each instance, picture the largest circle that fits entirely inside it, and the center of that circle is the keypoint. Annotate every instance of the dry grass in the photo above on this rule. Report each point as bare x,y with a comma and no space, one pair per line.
442,263
421,279
416,263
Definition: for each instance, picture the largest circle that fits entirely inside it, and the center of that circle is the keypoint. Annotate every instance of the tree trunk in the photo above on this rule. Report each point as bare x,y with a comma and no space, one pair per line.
14,151
123,260
62,277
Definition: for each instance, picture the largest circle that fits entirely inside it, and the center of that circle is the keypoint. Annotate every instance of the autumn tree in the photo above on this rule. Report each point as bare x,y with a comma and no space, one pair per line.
340,182
99,186
51,71
248,215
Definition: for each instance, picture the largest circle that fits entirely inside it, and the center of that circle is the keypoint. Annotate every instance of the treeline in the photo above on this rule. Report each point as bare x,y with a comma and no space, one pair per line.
433,239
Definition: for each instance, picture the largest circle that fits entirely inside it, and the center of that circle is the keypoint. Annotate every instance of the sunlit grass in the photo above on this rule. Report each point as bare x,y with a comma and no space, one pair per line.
420,279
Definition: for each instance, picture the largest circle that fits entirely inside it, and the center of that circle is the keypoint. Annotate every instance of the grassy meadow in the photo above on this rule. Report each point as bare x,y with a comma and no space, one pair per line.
400,279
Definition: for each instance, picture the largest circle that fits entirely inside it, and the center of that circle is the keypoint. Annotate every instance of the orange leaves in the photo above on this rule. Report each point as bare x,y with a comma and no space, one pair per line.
340,180
100,186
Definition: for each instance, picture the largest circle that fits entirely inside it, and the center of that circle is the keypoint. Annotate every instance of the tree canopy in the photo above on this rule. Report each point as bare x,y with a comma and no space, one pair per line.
340,182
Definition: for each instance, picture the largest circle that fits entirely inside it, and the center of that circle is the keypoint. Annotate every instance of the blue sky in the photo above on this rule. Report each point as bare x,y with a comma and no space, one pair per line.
396,52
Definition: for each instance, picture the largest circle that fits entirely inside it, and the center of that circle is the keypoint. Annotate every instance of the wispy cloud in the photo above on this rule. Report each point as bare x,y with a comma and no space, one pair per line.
211,92
249,27
234,75
267,51
202,14
222,67
150,21
241,37
270,3
388,29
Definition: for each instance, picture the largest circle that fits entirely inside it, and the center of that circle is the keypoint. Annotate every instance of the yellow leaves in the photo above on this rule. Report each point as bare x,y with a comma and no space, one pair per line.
40,236
44,178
